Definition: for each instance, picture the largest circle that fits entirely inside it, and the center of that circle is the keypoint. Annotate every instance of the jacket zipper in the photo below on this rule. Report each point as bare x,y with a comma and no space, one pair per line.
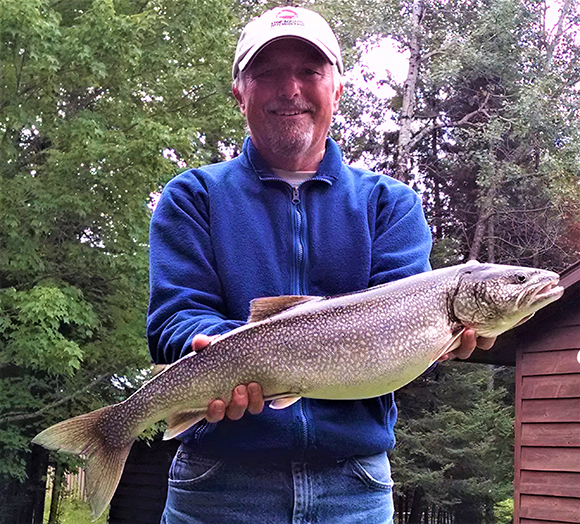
299,288
298,281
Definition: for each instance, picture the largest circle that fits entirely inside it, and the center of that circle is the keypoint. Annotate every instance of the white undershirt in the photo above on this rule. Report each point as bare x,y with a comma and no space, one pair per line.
294,177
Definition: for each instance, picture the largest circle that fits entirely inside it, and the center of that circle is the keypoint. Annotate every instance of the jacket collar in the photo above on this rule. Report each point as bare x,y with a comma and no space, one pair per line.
327,171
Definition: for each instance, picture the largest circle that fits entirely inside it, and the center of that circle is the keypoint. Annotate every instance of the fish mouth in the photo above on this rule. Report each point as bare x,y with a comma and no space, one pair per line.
543,293
541,296
549,291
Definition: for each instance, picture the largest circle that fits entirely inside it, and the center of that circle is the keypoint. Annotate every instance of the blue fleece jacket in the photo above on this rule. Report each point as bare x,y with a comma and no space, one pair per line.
227,233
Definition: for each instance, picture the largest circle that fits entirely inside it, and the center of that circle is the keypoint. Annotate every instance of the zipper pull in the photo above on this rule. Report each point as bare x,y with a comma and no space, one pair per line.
295,195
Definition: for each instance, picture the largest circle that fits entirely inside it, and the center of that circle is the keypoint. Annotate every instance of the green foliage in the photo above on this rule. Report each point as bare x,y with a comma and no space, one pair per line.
74,511
98,101
455,437
33,322
494,148
504,511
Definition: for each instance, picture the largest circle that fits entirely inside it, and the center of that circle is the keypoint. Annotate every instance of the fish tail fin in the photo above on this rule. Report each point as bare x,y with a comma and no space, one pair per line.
104,459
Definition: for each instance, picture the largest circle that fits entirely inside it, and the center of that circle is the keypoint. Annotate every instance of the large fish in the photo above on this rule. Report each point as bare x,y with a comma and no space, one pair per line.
353,346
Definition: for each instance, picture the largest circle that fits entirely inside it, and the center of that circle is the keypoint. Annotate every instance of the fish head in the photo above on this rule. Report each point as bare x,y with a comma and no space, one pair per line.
492,298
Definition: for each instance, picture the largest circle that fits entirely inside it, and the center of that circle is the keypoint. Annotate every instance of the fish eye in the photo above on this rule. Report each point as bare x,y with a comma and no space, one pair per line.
521,278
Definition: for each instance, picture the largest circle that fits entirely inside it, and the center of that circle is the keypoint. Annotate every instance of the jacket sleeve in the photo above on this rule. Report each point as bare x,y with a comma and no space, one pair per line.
402,238
186,294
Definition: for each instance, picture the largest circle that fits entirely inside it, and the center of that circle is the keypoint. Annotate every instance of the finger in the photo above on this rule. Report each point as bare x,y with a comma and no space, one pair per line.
468,344
216,411
200,341
485,343
255,398
239,403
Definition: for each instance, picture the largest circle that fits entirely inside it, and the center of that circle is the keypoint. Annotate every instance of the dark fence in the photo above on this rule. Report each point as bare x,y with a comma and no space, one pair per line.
140,497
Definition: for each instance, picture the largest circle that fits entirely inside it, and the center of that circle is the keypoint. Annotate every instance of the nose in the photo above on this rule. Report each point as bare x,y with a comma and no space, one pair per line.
289,86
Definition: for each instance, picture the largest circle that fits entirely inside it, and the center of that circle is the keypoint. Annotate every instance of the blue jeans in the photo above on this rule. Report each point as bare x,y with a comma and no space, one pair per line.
213,491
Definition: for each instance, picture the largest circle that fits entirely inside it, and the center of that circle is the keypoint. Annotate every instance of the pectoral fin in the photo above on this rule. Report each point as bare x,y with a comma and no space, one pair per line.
453,344
284,402
179,422
158,368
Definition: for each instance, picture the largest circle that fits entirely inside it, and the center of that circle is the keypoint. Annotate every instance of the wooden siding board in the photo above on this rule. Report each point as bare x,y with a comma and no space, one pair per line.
547,346
550,410
551,386
518,436
551,459
550,483
551,362
534,521
559,338
551,434
550,508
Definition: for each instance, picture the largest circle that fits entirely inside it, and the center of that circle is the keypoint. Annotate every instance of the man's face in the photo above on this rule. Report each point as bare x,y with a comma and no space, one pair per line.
288,97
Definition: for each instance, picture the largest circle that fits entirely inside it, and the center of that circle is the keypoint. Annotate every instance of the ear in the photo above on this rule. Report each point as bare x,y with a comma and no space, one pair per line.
240,98
337,95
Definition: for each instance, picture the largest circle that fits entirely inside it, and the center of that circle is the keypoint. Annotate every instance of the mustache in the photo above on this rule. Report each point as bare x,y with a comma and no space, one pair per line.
290,105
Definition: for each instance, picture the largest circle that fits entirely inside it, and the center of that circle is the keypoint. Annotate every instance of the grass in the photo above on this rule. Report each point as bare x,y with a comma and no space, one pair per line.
74,511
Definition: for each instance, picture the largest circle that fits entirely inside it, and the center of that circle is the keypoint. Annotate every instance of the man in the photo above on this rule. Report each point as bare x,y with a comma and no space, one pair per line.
285,217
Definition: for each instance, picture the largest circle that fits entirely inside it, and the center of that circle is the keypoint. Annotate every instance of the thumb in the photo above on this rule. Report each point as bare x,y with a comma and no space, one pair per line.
199,342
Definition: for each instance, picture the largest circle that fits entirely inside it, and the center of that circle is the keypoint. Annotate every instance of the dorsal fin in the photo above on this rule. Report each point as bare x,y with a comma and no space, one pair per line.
262,308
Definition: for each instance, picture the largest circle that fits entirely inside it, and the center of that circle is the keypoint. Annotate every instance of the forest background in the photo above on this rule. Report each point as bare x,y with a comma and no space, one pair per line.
103,101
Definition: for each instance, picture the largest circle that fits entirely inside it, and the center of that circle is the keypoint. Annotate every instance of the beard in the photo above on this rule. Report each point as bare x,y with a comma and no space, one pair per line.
289,138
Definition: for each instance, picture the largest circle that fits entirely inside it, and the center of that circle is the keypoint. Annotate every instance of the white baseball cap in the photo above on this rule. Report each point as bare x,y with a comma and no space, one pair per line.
282,22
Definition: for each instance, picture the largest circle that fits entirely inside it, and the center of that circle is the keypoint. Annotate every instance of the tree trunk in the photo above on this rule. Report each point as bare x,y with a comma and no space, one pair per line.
560,31
56,495
37,469
437,204
486,212
403,169
475,249
491,238
417,507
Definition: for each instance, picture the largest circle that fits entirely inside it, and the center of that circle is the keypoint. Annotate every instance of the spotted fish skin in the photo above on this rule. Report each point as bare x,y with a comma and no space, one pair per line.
353,346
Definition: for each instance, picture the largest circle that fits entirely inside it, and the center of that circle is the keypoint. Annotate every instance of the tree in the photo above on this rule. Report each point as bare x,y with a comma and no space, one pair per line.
455,442
487,131
487,127
92,93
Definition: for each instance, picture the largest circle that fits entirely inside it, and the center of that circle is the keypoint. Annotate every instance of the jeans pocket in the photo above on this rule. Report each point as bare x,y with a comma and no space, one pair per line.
374,471
188,468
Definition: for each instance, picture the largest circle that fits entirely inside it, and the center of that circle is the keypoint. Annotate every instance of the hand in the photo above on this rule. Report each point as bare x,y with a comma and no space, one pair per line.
244,398
468,344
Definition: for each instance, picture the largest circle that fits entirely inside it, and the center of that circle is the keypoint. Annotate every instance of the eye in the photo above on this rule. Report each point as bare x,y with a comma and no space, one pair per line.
520,278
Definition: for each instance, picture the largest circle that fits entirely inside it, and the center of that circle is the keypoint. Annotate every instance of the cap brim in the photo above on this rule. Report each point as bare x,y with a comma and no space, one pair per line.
246,59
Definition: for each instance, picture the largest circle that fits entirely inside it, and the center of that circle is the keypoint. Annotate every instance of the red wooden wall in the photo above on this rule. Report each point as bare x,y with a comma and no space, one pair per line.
547,450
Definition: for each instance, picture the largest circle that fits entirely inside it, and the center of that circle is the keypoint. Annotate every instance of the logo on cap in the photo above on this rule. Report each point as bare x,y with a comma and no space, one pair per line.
287,14
287,17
